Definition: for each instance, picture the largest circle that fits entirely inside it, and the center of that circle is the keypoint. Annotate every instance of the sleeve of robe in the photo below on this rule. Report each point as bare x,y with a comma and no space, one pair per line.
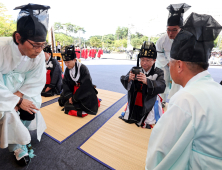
171,140
161,59
66,89
57,72
157,86
124,81
6,95
35,79
84,73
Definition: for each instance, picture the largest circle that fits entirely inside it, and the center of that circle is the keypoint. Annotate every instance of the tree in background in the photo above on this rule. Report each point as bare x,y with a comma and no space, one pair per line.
121,33
58,26
7,25
63,39
68,31
95,42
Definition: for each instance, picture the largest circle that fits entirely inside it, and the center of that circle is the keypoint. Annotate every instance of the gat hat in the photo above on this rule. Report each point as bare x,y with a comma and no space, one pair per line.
32,22
176,12
148,50
68,53
196,39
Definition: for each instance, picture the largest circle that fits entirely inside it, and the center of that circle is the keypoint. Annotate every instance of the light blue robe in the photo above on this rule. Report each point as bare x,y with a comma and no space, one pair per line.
19,73
164,44
189,135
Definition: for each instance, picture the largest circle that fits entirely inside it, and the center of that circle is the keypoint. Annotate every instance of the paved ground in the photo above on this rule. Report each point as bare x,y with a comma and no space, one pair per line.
105,74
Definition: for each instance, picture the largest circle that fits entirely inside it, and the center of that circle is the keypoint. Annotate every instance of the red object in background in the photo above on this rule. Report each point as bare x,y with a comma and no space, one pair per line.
86,54
77,53
90,53
83,53
93,53
100,52
48,77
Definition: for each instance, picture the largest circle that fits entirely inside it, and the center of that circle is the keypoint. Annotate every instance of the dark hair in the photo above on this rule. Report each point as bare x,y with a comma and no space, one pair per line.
196,67
22,39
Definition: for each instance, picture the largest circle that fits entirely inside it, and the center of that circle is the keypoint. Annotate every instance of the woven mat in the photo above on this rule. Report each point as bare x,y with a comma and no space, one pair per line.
61,126
46,99
119,145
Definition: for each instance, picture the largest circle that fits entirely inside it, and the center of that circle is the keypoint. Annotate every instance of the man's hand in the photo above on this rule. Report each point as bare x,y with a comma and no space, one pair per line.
131,76
70,100
142,77
19,94
16,108
47,89
28,106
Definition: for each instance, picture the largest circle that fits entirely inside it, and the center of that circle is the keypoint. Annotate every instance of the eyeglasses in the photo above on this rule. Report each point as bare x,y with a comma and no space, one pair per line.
148,61
173,31
37,46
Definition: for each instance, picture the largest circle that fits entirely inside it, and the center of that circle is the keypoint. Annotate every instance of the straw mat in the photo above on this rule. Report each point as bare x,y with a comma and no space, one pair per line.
119,145
61,126
46,99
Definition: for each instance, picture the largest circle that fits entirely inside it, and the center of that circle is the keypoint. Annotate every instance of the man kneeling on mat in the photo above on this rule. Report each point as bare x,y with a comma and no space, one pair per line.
53,84
143,85
79,97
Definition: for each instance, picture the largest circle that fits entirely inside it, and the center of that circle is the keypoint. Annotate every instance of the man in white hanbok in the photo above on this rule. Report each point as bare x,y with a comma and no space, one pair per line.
163,46
188,135
22,78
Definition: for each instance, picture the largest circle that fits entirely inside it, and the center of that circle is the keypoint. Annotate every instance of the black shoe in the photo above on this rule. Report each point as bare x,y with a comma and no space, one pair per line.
21,156
148,126
121,117
23,161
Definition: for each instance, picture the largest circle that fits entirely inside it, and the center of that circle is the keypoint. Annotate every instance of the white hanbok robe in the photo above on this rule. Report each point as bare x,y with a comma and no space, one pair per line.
164,44
188,136
19,73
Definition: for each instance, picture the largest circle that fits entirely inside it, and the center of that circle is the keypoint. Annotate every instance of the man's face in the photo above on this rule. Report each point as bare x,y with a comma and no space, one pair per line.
47,55
172,31
70,64
29,48
146,63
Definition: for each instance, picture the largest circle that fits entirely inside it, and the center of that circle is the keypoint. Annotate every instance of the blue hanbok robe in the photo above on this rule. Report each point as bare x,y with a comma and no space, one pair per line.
19,73
188,136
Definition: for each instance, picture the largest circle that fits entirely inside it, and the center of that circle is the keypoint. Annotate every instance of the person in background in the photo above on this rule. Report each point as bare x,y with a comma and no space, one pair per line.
53,84
79,97
144,105
163,46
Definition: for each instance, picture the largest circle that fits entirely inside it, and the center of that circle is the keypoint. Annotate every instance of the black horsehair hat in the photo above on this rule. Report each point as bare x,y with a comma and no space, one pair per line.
176,12
196,39
47,49
148,50
32,22
68,53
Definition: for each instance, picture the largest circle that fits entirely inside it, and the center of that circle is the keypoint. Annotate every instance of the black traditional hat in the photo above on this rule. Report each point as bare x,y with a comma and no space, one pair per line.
148,50
68,53
176,14
32,22
48,49
196,39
